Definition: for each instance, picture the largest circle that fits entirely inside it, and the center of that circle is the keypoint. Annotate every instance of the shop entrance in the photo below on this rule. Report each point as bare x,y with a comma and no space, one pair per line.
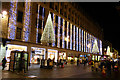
37,54
18,60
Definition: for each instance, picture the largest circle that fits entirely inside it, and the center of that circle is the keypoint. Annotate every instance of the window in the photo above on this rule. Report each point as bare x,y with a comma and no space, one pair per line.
65,24
40,24
61,21
56,20
44,12
61,11
56,30
52,16
56,41
52,5
65,6
18,33
65,14
65,44
43,25
56,8
20,16
39,38
61,31
36,22
37,8
41,10
61,43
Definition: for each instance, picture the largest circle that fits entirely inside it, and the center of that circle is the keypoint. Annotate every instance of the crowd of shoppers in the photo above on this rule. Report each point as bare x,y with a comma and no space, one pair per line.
105,67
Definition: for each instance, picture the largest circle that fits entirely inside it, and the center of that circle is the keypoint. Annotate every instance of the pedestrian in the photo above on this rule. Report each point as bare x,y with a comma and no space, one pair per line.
3,63
103,71
92,65
113,64
23,65
96,66
108,66
84,62
38,60
78,62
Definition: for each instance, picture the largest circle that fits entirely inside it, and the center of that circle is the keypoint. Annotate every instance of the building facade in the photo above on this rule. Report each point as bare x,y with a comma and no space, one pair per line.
25,23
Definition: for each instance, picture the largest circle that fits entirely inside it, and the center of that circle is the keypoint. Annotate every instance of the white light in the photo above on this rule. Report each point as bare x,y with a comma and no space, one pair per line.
4,13
89,45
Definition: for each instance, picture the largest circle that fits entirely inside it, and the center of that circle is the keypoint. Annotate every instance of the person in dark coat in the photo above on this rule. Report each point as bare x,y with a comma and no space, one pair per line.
77,62
3,63
108,66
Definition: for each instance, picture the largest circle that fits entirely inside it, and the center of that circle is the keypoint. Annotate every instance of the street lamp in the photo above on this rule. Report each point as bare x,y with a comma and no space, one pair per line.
4,13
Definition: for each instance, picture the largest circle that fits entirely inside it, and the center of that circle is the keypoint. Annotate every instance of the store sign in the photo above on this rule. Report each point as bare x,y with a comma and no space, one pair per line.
38,51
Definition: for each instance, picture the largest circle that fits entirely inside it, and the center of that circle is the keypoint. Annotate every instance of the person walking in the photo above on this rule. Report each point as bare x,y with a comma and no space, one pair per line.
23,65
96,66
108,66
3,63
78,62
92,65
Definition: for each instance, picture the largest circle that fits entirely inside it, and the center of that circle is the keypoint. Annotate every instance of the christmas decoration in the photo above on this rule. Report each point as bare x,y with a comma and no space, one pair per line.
48,35
108,50
95,47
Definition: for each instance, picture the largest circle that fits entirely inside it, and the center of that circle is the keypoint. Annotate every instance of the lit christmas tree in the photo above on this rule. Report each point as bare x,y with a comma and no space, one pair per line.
108,50
48,35
95,47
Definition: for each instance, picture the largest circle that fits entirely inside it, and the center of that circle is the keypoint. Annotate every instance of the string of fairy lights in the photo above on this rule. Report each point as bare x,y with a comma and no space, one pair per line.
12,19
26,24
79,44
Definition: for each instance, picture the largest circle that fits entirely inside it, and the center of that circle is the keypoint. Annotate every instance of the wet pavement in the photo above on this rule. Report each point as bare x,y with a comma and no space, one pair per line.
69,71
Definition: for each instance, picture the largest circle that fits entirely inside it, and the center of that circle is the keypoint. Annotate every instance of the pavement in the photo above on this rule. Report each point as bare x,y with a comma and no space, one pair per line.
69,71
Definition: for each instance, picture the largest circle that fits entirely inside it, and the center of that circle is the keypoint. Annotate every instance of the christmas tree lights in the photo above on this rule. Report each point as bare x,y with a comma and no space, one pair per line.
48,35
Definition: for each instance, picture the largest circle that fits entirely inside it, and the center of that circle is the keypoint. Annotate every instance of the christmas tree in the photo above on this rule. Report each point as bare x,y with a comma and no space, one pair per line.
108,50
48,35
95,47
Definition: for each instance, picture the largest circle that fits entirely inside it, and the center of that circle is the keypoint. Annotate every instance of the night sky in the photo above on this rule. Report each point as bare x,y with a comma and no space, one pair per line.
107,17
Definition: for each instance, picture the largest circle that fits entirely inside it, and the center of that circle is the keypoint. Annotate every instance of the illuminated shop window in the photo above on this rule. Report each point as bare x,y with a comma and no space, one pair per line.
76,38
37,23
12,19
26,28
70,36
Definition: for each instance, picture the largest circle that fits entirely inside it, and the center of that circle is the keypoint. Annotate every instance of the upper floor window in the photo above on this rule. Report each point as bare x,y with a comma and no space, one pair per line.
20,16
52,5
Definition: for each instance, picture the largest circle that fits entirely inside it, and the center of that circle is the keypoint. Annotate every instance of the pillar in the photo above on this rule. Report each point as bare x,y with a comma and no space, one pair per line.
29,52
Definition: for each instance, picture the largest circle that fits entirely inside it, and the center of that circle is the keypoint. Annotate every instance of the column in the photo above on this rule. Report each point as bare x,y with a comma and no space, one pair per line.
26,24
12,20
58,35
